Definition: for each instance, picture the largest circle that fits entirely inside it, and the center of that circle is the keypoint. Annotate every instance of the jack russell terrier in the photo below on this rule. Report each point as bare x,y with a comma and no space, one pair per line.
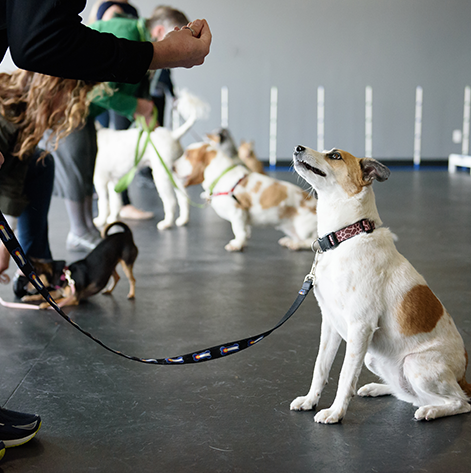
247,198
371,297
116,151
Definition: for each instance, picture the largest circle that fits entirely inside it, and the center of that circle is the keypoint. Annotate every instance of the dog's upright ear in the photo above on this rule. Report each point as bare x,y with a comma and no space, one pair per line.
373,169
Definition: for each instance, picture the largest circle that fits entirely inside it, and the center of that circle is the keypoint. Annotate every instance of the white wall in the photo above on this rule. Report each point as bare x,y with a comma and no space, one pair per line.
343,45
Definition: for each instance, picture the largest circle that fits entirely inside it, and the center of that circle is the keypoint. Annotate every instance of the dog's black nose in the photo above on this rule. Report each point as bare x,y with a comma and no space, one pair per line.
299,149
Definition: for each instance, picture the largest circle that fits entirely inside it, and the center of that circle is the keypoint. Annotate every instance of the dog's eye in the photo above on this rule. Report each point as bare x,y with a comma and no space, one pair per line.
335,156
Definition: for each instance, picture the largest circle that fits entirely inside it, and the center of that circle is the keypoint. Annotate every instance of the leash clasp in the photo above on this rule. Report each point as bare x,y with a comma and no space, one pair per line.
311,276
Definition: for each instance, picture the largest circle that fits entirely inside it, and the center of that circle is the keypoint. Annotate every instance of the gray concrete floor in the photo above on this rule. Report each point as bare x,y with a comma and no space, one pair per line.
106,414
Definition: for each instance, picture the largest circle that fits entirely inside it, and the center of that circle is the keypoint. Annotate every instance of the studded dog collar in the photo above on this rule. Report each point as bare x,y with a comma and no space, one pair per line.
332,240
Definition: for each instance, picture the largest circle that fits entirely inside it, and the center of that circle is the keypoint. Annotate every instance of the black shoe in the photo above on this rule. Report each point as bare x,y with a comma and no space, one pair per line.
17,428
20,284
2,450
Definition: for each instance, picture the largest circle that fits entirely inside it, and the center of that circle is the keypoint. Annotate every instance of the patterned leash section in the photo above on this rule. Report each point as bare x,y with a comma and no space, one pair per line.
220,351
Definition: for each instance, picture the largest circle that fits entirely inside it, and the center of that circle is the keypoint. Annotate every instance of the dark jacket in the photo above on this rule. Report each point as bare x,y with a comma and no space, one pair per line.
47,36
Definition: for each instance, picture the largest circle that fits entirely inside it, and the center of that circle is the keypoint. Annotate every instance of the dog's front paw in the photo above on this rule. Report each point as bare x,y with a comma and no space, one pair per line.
329,416
303,403
164,225
374,390
44,305
234,245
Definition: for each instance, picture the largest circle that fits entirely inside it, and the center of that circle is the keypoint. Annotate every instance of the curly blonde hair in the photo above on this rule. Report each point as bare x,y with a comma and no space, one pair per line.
36,103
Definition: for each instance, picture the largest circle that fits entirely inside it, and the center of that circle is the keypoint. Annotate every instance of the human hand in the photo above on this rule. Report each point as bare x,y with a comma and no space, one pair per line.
183,47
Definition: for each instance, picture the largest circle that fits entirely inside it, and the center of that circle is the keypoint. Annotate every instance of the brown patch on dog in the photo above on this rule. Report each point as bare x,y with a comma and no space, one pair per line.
256,187
348,173
273,195
419,311
287,211
244,200
304,202
199,158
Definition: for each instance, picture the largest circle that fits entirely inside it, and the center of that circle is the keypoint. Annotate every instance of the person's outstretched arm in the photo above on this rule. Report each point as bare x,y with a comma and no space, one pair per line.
48,37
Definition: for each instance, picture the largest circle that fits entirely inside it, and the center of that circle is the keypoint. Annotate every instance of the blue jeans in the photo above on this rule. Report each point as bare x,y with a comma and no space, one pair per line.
32,223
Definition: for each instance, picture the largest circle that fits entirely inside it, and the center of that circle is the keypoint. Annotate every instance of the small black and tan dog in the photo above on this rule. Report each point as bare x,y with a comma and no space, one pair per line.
87,277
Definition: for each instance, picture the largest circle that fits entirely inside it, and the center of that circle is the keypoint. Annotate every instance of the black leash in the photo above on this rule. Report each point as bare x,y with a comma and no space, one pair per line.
219,351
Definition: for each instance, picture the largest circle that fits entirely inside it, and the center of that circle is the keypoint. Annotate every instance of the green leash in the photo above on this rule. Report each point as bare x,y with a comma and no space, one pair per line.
214,183
126,180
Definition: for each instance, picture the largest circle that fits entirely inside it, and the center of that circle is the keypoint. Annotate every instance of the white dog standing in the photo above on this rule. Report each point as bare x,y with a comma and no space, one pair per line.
247,198
116,150
371,297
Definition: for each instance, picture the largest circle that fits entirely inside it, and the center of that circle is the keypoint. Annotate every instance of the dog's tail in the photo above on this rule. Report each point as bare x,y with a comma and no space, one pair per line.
464,385
191,108
108,227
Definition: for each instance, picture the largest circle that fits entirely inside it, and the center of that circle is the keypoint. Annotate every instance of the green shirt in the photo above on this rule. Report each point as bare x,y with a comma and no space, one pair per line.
124,100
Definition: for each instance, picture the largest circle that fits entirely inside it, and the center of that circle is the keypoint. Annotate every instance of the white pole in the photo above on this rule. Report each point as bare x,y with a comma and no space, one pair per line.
224,107
419,99
369,122
320,118
273,125
466,113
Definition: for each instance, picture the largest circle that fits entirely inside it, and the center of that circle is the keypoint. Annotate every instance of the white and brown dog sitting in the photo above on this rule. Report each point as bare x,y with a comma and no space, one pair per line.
371,297
116,152
244,198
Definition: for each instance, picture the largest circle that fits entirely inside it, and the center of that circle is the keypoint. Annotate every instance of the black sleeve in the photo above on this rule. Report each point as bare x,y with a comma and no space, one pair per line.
47,36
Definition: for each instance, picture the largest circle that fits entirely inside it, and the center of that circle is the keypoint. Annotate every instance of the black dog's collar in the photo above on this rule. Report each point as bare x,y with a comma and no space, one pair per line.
332,240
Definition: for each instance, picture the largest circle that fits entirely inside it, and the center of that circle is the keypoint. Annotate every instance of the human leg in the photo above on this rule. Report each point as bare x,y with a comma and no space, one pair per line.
75,163
32,223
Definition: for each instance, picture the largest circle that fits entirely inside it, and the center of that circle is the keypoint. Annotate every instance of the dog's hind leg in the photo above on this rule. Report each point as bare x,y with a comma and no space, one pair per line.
435,383
328,347
296,237
183,205
113,281
132,281
167,194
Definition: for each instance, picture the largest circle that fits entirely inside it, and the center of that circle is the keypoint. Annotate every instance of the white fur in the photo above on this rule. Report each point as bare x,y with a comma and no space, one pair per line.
116,151
360,285
299,228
